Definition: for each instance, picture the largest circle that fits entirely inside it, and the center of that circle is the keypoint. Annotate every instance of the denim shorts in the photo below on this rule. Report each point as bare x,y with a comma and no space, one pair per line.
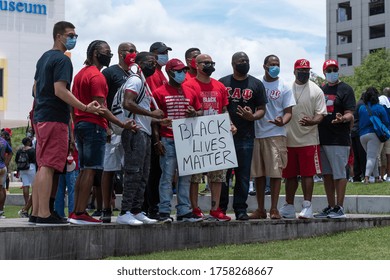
91,142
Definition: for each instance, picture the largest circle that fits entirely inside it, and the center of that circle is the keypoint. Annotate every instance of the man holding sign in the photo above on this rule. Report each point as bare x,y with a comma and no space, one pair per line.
214,98
176,102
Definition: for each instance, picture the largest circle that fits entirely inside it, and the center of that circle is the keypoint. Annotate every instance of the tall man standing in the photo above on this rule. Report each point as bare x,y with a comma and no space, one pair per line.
52,81
247,101
335,138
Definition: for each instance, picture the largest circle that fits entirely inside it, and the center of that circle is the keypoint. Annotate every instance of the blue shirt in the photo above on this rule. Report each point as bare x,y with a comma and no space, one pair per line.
4,148
365,125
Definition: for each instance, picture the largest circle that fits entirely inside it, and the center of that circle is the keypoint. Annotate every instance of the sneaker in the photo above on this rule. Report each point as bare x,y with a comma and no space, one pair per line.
55,214
287,211
144,219
97,213
219,215
324,213
84,219
317,179
71,214
165,218
252,193
154,216
2,215
307,210
274,214
50,221
128,219
198,212
32,220
189,217
23,214
90,207
337,213
258,214
205,191
243,216
106,216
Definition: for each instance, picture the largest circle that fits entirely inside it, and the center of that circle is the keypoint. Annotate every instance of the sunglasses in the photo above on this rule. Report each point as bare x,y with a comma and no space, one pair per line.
181,70
130,51
71,35
335,70
207,62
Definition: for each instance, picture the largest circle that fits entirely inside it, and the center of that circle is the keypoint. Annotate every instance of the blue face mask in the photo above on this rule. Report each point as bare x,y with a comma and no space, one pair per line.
70,43
332,77
273,71
179,77
162,59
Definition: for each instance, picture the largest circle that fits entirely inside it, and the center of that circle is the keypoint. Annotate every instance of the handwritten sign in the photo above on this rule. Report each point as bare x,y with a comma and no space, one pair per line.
204,144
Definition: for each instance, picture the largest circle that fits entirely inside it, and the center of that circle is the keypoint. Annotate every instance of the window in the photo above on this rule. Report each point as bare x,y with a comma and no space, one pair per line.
344,37
376,7
1,82
344,12
345,59
377,31
375,50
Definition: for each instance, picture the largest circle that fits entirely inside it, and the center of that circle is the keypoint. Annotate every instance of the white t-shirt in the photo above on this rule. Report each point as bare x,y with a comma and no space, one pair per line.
310,101
279,97
136,85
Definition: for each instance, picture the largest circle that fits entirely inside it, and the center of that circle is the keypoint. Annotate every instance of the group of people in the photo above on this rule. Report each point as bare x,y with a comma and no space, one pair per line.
279,131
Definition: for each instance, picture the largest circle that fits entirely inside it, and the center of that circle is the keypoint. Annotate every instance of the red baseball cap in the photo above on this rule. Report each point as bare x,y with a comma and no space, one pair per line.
8,130
330,62
302,64
175,64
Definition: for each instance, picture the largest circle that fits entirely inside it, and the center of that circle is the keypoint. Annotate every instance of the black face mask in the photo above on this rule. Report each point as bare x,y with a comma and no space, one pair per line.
242,68
103,59
148,70
303,77
208,69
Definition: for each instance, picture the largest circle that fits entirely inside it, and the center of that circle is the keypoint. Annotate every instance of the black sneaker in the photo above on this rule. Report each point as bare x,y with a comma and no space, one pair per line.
32,220
252,193
56,215
97,213
242,216
189,217
165,218
51,221
324,213
154,216
106,216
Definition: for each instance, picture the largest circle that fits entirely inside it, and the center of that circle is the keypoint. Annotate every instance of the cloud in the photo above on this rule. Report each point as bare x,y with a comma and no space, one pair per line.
289,29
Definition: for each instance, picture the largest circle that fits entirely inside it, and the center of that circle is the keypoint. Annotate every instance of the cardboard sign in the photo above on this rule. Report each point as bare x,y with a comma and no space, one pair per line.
204,144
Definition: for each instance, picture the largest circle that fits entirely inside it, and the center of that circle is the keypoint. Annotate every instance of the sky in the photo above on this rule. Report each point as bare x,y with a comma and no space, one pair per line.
290,29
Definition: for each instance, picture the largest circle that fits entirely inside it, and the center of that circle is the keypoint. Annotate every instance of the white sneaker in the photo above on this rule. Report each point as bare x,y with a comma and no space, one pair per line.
128,219
287,211
317,179
145,220
307,210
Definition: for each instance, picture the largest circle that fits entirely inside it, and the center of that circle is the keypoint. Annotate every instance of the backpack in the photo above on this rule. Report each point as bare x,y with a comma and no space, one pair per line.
380,129
23,162
117,105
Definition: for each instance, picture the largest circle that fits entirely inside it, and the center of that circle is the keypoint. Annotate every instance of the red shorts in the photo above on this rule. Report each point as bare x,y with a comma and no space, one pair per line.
303,161
52,144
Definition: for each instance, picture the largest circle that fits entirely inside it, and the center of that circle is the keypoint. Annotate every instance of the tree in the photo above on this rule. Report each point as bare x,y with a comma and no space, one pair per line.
374,71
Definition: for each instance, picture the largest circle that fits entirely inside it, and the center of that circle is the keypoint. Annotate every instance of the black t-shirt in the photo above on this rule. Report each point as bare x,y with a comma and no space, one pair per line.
249,92
115,77
53,66
339,98
30,153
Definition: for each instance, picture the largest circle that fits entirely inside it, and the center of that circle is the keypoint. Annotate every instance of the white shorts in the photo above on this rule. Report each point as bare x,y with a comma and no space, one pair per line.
28,176
113,156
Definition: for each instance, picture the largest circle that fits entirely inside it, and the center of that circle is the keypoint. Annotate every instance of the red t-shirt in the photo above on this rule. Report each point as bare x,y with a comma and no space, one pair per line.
174,103
213,96
156,80
189,76
88,83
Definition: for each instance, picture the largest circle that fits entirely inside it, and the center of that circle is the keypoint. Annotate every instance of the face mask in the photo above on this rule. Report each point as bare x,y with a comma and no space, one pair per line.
208,69
130,58
70,43
193,62
162,59
273,71
148,70
179,77
242,68
103,59
332,77
303,77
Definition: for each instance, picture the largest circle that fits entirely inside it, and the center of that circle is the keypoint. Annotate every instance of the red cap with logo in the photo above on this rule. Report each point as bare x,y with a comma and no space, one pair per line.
302,64
330,62
8,130
175,64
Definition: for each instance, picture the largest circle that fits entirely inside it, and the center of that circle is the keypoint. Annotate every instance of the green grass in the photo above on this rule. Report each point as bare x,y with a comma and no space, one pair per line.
365,244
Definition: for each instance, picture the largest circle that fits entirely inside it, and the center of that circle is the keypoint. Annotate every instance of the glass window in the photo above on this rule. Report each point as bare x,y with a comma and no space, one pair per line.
344,12
344,37
377,31
345,59
376,7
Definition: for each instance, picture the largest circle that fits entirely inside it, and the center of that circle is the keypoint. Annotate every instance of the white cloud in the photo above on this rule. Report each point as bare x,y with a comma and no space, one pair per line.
287,28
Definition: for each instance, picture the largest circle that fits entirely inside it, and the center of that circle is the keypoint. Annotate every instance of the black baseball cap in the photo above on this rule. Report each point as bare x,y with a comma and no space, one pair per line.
160,47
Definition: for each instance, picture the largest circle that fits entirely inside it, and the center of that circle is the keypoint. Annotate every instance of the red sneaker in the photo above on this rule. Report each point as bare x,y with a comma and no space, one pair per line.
83,219
198,212
219,215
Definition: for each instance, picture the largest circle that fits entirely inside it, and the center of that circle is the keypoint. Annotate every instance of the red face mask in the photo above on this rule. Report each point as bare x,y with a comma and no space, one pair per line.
130,58
193,62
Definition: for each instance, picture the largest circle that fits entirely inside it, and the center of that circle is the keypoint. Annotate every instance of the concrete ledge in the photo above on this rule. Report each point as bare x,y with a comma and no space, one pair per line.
21,241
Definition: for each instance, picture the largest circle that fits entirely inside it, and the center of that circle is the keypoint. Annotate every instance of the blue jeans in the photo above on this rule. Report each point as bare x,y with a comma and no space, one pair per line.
168,164
66,181
244,149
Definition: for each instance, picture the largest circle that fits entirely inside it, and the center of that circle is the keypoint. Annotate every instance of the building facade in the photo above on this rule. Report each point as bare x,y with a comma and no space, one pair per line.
26,31
354,29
